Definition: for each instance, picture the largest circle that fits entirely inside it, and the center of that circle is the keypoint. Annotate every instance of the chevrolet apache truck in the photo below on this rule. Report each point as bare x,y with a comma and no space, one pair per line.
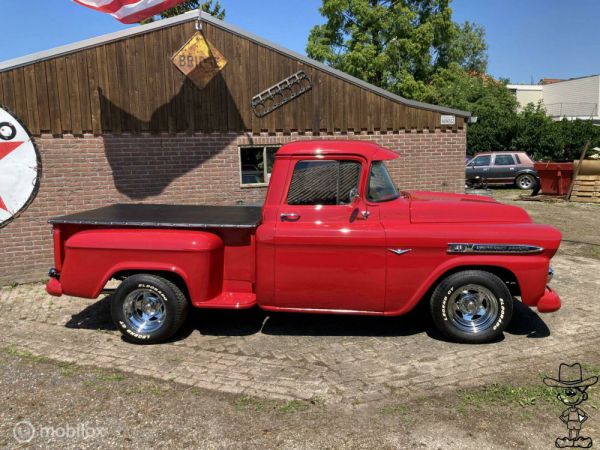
334,235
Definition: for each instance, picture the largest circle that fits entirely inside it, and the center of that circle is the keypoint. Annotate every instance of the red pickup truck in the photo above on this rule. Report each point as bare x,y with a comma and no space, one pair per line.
334,236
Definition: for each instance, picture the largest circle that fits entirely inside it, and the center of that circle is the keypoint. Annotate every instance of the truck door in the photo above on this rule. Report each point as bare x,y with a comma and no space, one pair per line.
329,251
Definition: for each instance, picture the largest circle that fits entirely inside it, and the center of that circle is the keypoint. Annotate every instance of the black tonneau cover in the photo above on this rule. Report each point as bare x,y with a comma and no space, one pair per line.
163,216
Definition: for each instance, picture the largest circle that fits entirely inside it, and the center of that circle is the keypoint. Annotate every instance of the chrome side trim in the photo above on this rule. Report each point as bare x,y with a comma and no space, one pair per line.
400,251
501,249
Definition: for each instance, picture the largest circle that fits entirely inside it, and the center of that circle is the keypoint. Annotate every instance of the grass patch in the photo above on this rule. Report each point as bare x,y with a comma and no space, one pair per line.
591,251
26,355
590,370
396,409
248,402
152,389
506,395
68,369
104,375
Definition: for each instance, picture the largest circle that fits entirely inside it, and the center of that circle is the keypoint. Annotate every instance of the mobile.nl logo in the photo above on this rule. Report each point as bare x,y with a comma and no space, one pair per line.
25,432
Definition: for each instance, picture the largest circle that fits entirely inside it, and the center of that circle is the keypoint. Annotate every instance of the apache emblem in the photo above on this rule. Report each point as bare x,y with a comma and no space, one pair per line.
20,168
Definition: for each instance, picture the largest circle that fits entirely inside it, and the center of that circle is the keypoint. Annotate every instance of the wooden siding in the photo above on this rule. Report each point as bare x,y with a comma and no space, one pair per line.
131,86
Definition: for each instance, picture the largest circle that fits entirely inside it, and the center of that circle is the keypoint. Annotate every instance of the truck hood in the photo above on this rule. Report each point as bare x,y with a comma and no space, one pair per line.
439,207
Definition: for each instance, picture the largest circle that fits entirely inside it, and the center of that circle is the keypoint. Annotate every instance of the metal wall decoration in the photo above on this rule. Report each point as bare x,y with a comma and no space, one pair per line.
283,92
20,168
199,60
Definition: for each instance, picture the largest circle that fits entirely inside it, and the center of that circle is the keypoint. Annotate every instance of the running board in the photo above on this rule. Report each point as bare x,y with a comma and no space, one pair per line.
229,300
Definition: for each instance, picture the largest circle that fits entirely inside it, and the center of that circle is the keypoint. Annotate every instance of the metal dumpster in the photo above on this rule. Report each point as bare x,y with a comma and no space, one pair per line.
555,178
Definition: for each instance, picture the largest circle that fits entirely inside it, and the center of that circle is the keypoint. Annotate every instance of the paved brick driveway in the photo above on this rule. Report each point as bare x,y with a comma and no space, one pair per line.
339,359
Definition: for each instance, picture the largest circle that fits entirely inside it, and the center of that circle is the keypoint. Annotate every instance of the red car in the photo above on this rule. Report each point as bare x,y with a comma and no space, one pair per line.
334,236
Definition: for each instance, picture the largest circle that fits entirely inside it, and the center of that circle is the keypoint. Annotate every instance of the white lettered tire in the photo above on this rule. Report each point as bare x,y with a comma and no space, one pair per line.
472,306
148,309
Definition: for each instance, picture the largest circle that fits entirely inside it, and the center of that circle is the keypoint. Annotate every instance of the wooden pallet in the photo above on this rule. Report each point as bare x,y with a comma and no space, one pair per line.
586,188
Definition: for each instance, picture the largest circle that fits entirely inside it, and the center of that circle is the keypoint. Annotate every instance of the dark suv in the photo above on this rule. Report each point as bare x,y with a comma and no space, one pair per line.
502,168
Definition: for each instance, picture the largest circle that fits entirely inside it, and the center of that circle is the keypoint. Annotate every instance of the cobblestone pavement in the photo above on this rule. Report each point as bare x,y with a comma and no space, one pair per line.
335,358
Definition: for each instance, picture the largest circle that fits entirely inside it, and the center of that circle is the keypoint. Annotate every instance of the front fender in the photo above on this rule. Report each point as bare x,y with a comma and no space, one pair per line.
92,257
530,271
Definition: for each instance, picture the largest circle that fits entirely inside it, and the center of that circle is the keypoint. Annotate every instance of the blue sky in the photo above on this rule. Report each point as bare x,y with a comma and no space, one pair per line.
527,38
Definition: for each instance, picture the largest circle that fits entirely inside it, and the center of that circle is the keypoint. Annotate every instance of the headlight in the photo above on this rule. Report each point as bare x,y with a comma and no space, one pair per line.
550,274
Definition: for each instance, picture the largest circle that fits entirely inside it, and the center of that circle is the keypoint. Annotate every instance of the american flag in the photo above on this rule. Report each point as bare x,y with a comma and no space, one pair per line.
130,11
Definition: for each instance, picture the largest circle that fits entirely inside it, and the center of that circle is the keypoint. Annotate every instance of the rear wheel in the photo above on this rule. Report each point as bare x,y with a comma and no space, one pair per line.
472,306
148,309
525,181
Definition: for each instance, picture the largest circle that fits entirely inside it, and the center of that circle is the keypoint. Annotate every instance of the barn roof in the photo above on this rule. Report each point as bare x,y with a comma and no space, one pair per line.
193,16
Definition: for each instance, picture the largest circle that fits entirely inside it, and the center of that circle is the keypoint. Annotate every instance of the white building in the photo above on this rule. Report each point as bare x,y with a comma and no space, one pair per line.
577,98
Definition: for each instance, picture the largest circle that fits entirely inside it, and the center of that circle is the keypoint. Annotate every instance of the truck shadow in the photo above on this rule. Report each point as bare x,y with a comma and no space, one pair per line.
242,323
96,316
526,322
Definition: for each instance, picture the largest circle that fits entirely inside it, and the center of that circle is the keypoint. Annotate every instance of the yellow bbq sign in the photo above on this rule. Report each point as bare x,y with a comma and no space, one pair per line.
199,60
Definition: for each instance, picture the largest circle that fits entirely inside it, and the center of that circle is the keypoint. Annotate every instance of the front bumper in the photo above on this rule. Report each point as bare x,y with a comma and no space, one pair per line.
53,287
549,302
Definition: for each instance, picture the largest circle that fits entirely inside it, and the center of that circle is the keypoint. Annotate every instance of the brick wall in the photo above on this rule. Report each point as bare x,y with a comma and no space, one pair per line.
87,172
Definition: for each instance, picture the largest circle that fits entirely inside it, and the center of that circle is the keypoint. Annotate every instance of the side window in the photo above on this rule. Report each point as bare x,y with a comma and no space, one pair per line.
517,158
482,161
256,164
323,182
504,160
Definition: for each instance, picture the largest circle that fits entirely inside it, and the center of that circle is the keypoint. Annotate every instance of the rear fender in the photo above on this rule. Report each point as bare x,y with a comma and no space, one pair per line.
92,257
527,171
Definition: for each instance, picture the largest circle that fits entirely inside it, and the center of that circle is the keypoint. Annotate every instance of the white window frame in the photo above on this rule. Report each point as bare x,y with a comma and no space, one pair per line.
265,173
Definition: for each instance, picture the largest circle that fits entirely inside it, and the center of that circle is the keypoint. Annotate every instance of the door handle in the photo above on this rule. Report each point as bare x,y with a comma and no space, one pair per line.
289,217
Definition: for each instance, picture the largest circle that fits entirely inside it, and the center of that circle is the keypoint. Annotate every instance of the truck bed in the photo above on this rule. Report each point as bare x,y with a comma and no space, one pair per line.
167,216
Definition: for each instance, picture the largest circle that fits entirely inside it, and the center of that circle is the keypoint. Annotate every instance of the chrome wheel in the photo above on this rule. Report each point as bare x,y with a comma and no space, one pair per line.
144,310
525,182
472,308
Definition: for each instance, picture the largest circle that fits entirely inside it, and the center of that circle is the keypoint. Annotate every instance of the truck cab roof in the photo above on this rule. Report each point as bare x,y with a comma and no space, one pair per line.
367,150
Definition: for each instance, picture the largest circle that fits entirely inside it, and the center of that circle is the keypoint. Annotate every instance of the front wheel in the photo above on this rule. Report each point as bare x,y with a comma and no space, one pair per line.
148,309
472,306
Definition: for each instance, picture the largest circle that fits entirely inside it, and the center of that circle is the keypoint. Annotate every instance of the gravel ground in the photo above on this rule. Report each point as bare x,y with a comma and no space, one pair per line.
41,400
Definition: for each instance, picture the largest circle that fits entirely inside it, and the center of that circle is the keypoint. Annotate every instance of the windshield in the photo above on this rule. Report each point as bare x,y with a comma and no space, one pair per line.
381,187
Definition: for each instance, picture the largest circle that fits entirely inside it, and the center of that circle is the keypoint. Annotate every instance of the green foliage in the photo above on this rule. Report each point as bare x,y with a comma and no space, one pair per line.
207,6
414,49
487,99
396,44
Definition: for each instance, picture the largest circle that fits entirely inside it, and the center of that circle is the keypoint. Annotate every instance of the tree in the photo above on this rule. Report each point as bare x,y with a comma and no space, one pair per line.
207,6
396,44
486,98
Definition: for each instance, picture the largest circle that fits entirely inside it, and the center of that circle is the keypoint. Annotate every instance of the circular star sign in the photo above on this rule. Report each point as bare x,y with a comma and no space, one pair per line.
20,168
